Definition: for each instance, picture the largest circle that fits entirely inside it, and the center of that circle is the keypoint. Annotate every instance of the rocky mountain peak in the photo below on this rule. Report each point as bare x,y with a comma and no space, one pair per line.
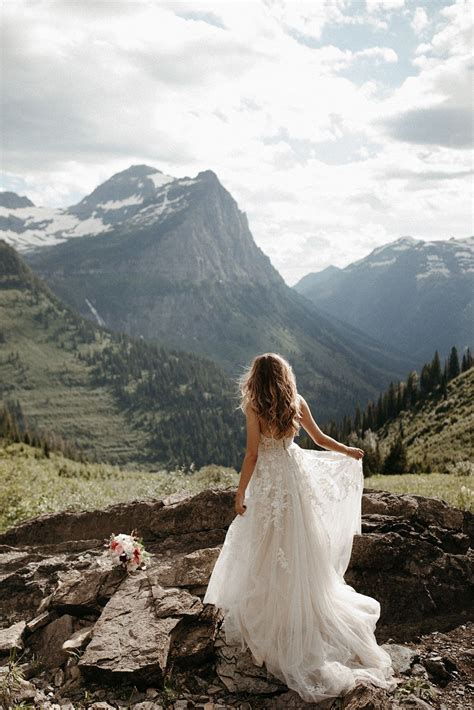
13,201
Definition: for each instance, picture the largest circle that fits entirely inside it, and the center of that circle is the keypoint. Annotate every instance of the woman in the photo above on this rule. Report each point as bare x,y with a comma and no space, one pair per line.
279,576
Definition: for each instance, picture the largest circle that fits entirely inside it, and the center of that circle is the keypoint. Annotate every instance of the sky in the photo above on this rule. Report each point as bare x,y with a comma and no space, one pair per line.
337,125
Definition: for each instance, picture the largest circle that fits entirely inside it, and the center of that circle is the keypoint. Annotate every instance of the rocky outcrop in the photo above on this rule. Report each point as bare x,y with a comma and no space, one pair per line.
88,624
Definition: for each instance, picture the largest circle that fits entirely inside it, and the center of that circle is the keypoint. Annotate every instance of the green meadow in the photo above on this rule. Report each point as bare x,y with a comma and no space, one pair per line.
32,484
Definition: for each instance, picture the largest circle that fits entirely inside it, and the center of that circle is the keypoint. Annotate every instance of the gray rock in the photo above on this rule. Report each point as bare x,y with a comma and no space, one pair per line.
48,641
128,637
80,590
189,570
172,601
402,656
39,621
412,701
366,697
79,639
12,637
238,672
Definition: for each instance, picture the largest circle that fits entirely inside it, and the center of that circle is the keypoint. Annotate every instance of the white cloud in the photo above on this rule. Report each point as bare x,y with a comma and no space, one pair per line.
378,5
420,20
326,167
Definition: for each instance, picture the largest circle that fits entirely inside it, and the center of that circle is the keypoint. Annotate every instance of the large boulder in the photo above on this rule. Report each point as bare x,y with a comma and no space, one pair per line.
91,622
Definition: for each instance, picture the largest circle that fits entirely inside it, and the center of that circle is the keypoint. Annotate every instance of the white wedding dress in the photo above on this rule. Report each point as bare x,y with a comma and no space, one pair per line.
279,575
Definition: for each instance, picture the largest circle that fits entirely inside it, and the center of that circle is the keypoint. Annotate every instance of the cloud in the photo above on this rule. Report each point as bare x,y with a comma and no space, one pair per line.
291,104
444,125
420,20
383,5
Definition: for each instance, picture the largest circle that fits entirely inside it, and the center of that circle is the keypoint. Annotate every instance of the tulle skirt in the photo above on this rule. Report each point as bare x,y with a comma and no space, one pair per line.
279,575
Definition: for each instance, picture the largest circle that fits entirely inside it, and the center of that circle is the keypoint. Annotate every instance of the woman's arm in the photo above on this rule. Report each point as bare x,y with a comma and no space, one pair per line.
250,458
322,439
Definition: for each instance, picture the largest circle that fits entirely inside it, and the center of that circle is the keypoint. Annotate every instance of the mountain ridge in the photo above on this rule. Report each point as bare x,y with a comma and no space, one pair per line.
184,271
412,294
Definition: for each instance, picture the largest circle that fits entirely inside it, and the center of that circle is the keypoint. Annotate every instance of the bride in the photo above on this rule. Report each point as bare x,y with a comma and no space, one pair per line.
279,577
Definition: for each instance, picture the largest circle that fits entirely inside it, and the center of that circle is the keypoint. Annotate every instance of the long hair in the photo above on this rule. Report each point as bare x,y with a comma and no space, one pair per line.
268,385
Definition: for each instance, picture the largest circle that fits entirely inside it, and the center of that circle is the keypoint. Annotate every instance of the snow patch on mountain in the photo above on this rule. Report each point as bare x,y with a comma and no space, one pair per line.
118,204
95,313
159,179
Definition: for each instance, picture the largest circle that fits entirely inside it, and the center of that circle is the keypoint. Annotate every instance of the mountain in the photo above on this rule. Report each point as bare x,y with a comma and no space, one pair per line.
411,294
12,201
180,267
119,400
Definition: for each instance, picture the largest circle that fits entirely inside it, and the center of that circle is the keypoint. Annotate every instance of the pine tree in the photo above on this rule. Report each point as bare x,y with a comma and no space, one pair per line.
453,364
466,361
358,420
425,380
396,461
411,390
435,370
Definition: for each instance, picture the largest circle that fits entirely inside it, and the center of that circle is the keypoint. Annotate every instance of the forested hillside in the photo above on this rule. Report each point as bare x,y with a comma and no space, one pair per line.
78,387
421,424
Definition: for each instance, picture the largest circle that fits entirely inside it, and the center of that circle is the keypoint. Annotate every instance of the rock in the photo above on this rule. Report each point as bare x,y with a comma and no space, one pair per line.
366,697
437,670
129,638
143,627
79,639
47,643
191,570
238,673
39,621
86,525
418,670
59,677
12,637
172,601
194,641
402,656
80,591
15,692
412,701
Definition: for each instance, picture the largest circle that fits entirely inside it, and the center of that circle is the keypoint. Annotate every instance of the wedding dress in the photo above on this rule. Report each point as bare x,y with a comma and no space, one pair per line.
279,575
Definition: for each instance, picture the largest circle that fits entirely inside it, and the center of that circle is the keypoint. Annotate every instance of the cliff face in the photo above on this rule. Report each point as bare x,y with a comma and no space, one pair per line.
90,623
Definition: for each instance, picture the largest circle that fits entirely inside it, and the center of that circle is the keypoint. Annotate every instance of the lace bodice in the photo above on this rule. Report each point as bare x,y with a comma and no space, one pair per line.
270,442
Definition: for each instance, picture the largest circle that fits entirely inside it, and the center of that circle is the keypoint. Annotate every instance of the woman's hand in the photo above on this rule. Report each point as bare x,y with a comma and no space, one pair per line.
355,452
240,506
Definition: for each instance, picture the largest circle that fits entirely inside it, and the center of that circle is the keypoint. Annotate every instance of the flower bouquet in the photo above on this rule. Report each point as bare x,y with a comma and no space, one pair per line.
128,550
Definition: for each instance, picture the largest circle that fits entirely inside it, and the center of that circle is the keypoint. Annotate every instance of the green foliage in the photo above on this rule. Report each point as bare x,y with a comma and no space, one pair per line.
69,385
32,484
11,679
396,460
455,489
417,686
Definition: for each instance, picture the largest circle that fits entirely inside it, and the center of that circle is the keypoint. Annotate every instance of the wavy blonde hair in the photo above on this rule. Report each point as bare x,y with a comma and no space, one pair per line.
268,385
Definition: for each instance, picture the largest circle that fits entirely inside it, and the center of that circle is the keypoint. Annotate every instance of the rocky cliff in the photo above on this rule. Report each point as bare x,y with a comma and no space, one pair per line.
91,635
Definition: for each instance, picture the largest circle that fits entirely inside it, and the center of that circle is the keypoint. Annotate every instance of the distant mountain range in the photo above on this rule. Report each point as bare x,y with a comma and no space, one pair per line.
119,400
172,260
411,294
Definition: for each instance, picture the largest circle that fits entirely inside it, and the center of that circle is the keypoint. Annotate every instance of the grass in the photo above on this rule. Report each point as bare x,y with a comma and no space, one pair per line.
439,432
455,489
32,484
